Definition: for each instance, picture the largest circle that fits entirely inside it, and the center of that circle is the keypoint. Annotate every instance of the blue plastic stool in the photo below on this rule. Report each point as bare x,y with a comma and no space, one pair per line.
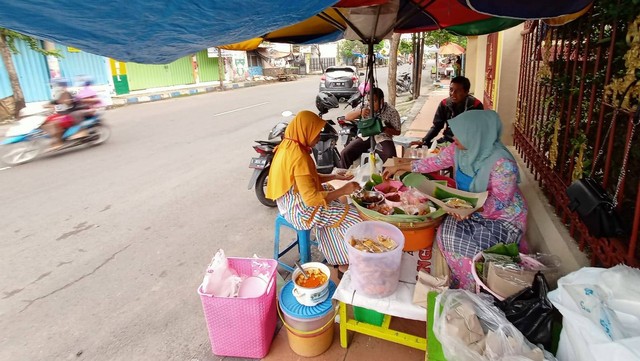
303,241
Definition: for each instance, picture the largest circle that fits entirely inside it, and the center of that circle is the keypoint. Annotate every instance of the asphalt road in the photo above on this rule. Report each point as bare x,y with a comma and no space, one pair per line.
102,249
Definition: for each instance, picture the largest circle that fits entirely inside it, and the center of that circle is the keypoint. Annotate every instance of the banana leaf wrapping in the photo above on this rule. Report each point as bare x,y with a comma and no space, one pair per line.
401,221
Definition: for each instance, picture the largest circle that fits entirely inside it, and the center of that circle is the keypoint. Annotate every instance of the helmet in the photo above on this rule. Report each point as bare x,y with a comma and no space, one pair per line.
364,88
85,80
278,130
60,82
326,101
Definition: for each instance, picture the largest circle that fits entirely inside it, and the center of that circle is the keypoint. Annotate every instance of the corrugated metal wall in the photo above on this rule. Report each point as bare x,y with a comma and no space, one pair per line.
144,76
32,72
207,67
74,64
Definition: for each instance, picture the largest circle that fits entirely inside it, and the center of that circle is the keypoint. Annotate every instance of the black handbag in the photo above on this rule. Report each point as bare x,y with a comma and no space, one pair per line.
370,126
531,312
595,207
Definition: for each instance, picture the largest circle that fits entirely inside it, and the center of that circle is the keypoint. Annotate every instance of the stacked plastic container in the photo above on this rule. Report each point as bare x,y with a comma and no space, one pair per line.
242,327
309,329
375,274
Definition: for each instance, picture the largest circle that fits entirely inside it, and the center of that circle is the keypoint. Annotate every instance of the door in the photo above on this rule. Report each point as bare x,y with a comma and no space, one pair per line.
490,72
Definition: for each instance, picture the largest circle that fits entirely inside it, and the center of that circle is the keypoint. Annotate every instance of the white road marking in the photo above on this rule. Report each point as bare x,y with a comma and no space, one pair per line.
239,109
5,168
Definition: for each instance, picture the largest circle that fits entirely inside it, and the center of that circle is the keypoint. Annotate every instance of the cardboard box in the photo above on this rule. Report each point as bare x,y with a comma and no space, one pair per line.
391,162
414,261
506,282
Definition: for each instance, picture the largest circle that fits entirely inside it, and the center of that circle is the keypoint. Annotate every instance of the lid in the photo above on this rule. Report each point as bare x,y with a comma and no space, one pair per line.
290,305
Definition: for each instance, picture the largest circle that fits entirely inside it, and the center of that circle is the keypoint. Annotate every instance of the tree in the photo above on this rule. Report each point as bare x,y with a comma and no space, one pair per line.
393,69
8,47
439,37
405,47
348,48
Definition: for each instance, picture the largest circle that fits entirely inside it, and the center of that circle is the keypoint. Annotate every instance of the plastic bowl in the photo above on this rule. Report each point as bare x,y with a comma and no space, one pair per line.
311,296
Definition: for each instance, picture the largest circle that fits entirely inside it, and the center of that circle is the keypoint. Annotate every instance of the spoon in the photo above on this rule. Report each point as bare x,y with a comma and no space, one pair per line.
304,273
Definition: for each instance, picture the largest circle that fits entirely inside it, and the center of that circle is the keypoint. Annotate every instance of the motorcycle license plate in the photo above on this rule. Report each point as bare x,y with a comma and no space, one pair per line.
258,163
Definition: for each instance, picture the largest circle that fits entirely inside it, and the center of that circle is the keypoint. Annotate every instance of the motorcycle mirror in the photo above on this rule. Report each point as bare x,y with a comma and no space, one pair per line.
287,113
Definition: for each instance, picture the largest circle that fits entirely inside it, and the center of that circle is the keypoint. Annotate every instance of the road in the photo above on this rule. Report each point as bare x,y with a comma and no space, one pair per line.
102,249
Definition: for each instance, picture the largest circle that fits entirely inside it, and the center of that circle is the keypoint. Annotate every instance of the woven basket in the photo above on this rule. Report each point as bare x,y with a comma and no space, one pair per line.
418,231
242,327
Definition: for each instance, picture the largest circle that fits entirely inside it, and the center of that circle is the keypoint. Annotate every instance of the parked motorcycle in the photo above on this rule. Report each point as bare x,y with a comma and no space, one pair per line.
404,83
27,140
325,153
349,130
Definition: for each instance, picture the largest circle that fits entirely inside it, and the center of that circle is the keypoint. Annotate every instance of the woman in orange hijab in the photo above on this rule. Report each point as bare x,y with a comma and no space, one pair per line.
302,198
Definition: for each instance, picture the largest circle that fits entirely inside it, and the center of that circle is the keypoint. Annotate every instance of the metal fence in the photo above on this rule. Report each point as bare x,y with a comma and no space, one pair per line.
321,64
571,95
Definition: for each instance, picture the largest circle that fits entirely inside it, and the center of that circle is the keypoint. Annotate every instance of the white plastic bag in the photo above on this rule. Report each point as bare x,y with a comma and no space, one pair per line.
220,280
471,328
601,314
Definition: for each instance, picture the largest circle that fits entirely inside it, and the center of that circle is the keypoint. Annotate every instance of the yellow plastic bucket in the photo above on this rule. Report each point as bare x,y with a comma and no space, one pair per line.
309,343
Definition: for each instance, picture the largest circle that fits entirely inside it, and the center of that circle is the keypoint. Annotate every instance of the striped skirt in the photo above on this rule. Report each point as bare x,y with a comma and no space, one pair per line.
328,223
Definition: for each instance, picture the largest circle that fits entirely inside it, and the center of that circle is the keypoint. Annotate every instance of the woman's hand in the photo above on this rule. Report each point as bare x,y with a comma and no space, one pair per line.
392,170
458,217
461,218
343,174
350,188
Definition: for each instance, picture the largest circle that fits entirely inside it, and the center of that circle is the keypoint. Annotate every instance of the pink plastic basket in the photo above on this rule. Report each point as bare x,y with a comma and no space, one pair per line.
525,259
242,327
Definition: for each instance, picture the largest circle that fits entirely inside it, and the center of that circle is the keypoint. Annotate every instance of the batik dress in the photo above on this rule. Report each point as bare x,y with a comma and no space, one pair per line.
503,218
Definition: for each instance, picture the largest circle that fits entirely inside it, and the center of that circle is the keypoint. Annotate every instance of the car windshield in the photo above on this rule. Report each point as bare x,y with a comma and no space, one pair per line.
339,72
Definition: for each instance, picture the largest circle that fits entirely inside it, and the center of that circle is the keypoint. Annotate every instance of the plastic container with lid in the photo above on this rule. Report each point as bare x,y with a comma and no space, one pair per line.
375,274
309,329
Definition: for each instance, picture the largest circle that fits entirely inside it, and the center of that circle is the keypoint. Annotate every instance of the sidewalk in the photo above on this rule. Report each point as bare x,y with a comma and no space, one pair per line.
423,120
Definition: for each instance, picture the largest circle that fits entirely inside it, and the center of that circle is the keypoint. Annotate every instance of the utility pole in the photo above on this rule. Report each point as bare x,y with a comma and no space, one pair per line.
221,68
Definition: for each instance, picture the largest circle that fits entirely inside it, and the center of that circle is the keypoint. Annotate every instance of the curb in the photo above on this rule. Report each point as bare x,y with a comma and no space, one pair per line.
151,97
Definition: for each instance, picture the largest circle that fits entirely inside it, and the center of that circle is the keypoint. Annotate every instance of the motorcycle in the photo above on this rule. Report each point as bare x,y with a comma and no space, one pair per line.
325,153
404,83
349,130
27,140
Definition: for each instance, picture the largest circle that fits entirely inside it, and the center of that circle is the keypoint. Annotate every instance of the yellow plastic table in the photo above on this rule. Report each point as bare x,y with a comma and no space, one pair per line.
396,305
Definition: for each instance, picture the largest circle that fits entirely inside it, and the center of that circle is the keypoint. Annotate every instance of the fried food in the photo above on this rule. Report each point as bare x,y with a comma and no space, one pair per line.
379,245
457,203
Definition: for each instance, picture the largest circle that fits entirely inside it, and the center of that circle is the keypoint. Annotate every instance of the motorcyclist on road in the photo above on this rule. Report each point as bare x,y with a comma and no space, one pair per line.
69,111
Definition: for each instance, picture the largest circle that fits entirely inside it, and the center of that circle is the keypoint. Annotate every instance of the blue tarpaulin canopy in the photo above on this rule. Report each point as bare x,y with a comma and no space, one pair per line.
159,32
152,31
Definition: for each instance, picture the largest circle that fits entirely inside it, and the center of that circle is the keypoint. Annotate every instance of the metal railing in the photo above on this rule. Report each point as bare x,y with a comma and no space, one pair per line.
571,93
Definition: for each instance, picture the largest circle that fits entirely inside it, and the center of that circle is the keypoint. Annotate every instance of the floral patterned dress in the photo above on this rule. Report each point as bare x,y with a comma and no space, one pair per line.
503,219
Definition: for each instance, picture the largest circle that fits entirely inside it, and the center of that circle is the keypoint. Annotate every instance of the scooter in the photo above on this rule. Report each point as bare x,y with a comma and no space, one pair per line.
325,153
27,140
404,83
349,130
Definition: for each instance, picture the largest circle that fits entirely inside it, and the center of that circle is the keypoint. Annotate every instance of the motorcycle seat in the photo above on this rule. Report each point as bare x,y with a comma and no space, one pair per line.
272,142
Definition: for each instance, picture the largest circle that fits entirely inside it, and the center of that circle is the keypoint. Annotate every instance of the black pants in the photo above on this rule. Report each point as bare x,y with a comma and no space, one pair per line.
352,152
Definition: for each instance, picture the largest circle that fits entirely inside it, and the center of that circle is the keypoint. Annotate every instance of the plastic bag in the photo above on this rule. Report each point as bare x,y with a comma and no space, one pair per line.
601,314
532,312
500,340
220,280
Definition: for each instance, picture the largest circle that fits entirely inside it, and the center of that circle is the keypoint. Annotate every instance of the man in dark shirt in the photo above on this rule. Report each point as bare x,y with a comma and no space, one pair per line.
458,102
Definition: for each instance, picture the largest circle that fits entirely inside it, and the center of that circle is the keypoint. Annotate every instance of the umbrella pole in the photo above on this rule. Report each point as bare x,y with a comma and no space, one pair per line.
370,64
